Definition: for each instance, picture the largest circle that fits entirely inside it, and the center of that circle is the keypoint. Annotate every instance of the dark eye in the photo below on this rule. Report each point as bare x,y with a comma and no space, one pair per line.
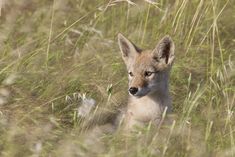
131,74
148,73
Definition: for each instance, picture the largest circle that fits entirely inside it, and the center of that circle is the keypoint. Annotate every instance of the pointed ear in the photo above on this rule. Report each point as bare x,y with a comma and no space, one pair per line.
164,51
128,49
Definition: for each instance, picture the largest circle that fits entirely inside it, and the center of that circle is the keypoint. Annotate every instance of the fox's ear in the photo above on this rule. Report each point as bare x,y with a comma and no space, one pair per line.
128,49
164,51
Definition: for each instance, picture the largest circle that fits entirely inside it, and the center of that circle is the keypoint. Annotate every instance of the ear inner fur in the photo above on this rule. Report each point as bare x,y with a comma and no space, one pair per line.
164,50
127,47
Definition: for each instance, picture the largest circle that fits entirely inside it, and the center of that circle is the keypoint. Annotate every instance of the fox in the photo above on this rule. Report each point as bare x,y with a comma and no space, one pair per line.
149,97
148,75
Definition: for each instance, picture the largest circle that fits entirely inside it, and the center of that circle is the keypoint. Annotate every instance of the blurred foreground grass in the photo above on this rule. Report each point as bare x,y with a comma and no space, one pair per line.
52,50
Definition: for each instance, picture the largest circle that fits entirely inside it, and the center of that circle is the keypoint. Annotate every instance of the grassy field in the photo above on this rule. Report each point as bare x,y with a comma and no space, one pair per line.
50,51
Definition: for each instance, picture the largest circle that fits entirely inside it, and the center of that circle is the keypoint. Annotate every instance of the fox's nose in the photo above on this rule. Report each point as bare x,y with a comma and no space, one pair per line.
133,90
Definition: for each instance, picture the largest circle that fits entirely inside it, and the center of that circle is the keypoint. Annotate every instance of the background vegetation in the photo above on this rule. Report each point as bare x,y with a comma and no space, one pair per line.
52,50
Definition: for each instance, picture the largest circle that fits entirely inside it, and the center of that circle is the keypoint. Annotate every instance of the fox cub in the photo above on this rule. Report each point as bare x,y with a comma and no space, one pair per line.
148,73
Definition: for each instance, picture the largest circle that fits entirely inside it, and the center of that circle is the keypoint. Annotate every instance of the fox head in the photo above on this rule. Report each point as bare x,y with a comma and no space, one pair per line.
148,70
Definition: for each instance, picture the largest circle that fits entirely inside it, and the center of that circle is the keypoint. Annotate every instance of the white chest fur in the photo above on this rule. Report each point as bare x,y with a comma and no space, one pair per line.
144,109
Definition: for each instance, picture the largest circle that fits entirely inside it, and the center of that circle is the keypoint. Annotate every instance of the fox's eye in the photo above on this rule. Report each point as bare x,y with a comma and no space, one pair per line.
148,73
131,74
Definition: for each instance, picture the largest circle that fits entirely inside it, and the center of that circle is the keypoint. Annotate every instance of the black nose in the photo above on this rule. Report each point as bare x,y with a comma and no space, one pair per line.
133,90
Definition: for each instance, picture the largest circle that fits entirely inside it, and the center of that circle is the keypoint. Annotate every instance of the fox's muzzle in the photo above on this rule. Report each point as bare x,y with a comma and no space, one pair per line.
133,90
138,92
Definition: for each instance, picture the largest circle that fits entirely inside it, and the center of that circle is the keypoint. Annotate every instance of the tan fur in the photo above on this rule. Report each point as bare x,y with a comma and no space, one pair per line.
149,102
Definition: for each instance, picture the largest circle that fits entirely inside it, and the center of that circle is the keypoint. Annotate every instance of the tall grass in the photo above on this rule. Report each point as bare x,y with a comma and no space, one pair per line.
52,50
